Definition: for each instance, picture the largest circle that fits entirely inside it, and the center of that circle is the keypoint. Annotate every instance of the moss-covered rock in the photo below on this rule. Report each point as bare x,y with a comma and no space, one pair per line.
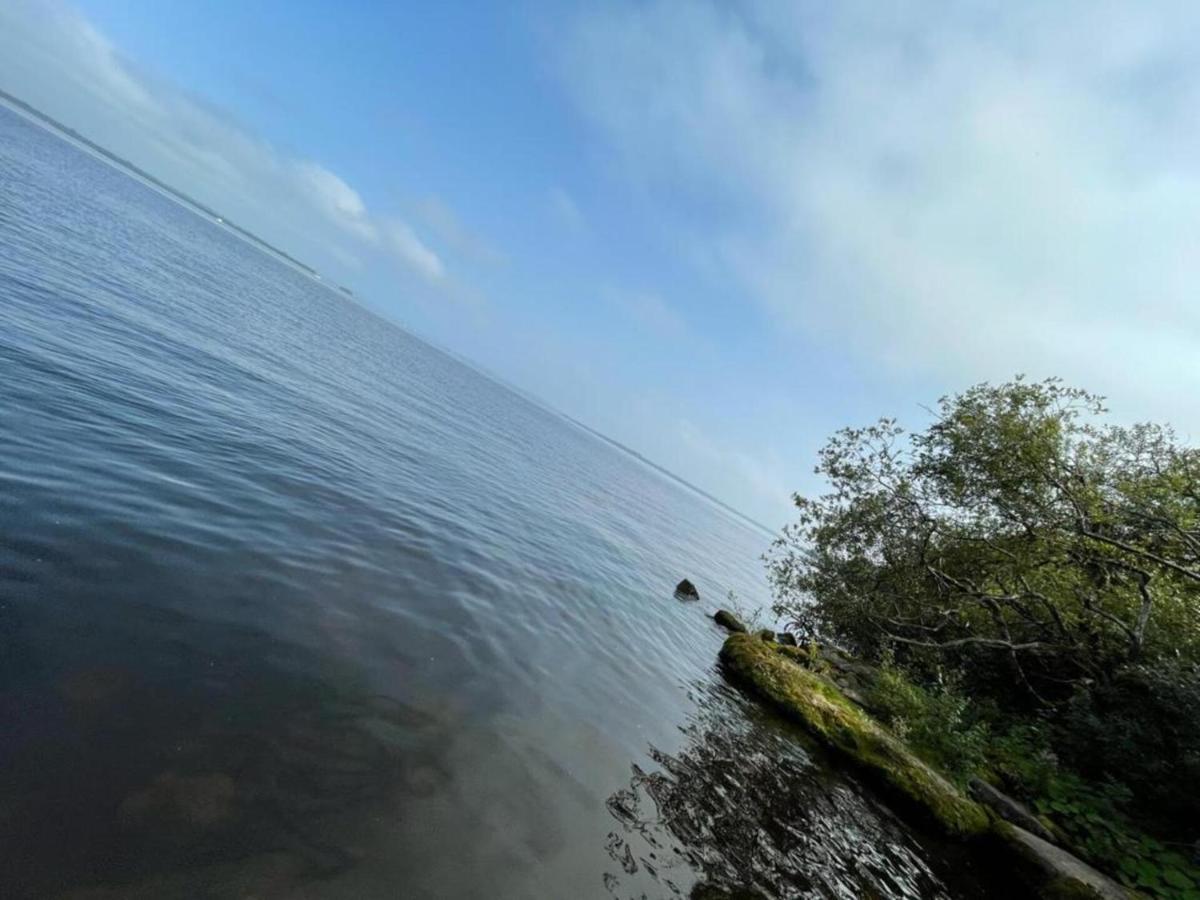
777,674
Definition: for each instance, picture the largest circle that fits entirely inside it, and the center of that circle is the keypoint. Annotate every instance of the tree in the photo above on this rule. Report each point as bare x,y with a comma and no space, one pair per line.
1016,525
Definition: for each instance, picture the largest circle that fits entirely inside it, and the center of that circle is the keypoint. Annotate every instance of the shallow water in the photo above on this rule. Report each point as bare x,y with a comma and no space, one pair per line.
294,605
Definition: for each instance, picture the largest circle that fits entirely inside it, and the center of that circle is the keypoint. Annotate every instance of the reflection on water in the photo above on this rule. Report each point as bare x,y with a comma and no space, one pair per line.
750,809
294,605
229,774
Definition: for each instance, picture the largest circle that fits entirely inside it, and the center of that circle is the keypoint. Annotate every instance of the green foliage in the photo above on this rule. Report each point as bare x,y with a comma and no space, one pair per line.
1092,819
1015,529
935,723
773,671
1141,727
1026,554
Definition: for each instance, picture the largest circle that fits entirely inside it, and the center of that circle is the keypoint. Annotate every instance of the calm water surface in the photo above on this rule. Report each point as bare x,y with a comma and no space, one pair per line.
294,605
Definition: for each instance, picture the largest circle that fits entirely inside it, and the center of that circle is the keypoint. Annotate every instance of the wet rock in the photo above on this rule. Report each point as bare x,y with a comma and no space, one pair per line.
198,801
766,634
728,621
1057,872
786,638
685,590
1008,809
706,891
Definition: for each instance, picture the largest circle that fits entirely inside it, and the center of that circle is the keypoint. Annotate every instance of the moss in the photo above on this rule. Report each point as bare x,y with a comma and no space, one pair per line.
772,671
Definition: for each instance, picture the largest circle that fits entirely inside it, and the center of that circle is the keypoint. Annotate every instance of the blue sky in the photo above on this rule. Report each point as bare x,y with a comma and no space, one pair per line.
715,231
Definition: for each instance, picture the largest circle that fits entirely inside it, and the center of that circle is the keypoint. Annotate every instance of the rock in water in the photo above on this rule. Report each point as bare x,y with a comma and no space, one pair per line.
728,620
685,590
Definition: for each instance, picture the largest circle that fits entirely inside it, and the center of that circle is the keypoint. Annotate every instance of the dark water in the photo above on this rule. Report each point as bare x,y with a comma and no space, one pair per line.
294,605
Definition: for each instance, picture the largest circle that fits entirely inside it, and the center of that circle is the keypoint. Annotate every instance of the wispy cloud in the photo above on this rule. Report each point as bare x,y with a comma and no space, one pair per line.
566,211
340,202
763,473
55,59
413,252
450,229
649,310
964,190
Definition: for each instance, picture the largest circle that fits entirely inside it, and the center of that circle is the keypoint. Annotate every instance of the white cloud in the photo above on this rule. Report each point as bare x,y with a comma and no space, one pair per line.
53,58
955,190
339,201
413,252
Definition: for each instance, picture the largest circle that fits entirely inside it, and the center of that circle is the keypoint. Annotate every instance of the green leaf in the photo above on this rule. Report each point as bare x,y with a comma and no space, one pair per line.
1177,879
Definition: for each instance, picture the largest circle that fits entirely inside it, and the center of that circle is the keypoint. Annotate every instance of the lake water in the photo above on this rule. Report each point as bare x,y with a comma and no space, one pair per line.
293,604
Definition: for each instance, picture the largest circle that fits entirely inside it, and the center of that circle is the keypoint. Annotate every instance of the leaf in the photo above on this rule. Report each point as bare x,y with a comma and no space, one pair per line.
1177,879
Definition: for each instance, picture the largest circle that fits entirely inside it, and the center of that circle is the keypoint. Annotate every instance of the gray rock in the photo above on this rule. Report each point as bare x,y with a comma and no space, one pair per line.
1062,873
1008,809
728,620
685,590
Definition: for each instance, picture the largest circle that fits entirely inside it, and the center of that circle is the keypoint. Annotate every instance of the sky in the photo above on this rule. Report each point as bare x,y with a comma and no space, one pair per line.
716,230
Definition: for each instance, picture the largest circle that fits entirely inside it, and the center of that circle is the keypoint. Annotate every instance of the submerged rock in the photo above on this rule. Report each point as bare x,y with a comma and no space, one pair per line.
729,621
685,590
199,801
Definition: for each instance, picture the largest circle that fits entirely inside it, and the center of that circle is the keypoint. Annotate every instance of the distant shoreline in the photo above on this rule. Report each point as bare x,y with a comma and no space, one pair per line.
31,112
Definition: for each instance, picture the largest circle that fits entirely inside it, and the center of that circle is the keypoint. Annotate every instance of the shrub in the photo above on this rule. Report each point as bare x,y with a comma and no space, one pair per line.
934,722
1142,729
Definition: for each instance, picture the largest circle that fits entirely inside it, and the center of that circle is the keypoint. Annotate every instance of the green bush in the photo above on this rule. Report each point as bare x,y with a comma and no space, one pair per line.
1090,816
1142,729
935,723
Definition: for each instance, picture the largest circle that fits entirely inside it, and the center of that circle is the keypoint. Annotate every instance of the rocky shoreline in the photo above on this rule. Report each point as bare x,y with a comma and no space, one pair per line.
824,691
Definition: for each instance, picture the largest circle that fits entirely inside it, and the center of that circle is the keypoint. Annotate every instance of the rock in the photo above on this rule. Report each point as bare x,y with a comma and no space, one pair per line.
772,671
786,638
685,590
1059,873
766,634
200,801
1008,809
728,620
